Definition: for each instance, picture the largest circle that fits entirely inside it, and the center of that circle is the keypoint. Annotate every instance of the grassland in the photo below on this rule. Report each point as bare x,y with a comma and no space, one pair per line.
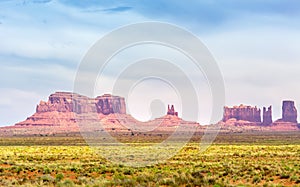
233,160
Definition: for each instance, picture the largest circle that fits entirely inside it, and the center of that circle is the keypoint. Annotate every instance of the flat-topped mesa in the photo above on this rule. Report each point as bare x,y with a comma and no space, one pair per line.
289,112
60,108
71,102
267,116
59,101
67,102
242,112
171,111
109,104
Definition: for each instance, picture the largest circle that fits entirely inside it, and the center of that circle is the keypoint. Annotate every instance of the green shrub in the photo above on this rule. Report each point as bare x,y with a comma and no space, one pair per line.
47,170
59,177
256,179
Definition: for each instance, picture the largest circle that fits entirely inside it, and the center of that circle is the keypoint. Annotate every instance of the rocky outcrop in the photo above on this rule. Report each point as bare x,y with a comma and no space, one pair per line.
247,118
67,102
267,116
289,112
242,112
66,112
108,104
171,111
61,108
70,102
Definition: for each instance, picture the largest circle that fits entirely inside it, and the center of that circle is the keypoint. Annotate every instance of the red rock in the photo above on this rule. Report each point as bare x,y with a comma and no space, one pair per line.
267,116
66,112
62,107
289,112
70,102
242,112
108,104
67,102
280,125
171,111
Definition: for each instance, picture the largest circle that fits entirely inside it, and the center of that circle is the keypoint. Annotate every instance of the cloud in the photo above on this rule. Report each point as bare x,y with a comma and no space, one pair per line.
42,44
62,44
117,9
209,14
107,10
41,1
54,31
38,76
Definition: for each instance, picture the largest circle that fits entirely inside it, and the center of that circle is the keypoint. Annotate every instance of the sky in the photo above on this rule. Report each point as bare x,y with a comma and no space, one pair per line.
255,43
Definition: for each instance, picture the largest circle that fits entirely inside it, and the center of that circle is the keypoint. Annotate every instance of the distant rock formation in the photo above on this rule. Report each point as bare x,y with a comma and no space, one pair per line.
67,102
267,116
242,112
71,102
66,112
61,107
289,112
247,118
171,111
108,104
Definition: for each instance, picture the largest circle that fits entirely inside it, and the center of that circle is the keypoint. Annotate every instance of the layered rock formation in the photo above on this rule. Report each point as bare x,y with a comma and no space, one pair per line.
289,112
66,113
267,116
62,108
108,104
67,102
70,102
242,112
171,111
246,118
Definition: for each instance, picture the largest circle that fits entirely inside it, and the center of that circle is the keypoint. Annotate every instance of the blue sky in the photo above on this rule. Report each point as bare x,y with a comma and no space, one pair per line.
256,44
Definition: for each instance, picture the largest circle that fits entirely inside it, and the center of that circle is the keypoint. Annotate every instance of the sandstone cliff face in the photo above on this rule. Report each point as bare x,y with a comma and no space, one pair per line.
246,117
70,102
66,113
67,102
242,112
61,107
289,112
108,104
267,116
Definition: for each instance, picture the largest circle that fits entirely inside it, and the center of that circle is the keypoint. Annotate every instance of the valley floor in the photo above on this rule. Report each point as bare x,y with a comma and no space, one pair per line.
240,159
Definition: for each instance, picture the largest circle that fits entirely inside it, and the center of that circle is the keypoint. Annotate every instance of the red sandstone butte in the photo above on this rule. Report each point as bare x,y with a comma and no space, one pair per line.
267,116
66,112
62,107
289,112
245,118
171,111
242,112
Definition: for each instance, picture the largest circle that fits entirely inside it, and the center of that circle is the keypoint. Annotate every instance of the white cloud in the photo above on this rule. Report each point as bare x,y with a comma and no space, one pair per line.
54,30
